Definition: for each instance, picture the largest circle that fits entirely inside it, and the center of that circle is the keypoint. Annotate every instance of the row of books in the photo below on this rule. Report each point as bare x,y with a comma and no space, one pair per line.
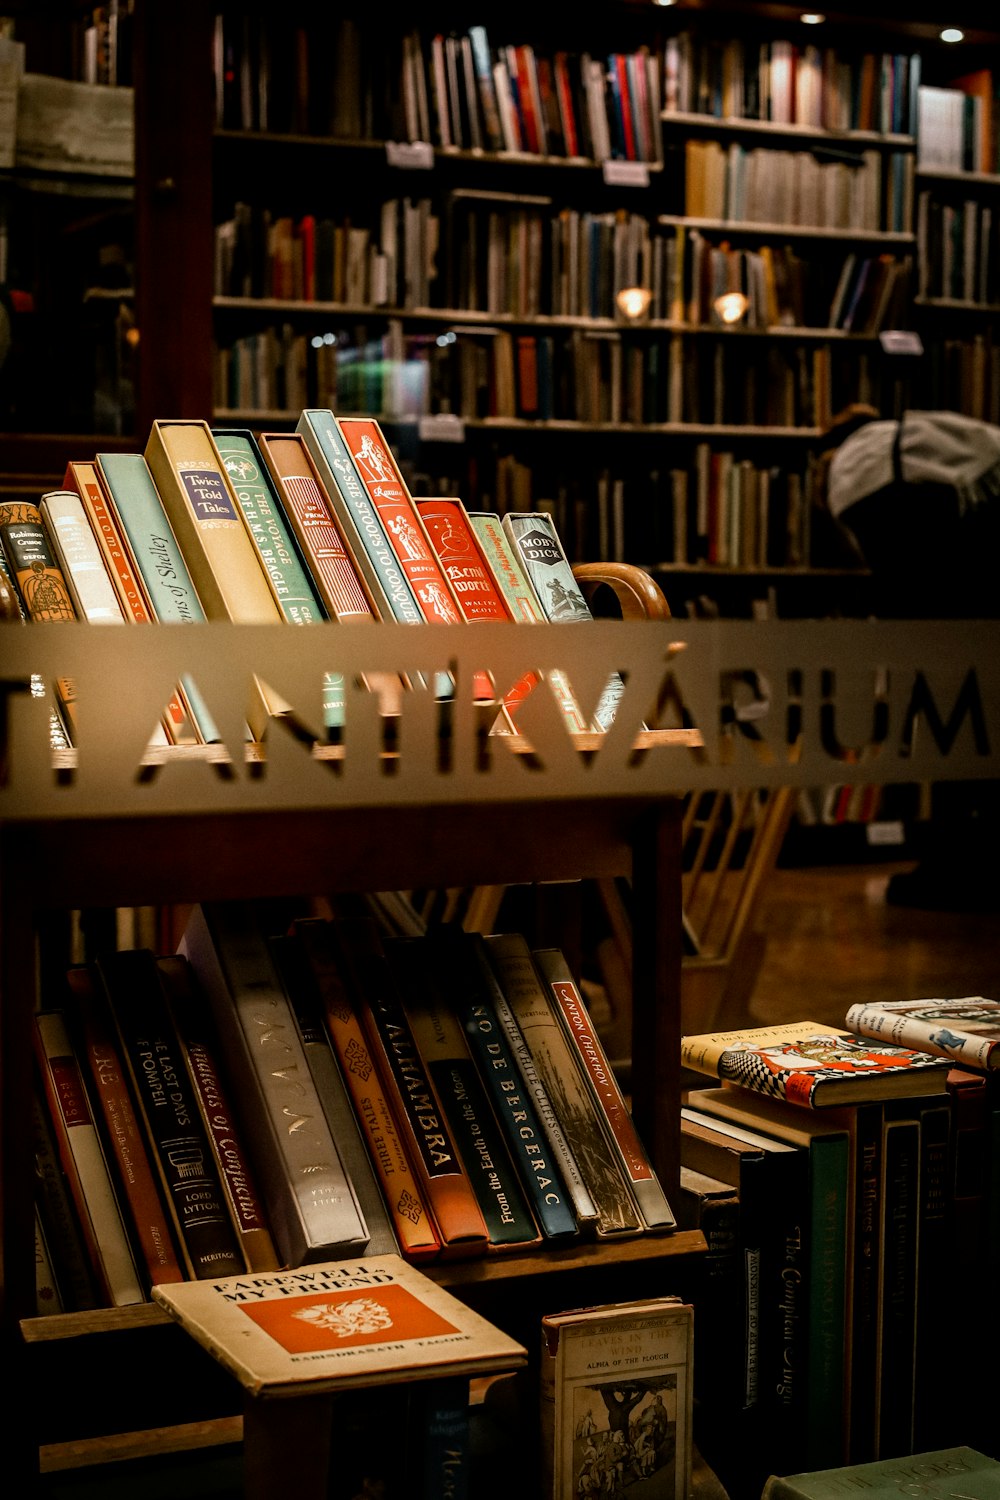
867,190
588,376
791,84
529,259
292,527
878,1141
961,373
958,124
958,245
450,1096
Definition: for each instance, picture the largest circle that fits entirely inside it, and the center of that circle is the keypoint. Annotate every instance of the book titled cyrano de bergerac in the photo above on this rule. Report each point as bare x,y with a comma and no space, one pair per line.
813,1065
338,1325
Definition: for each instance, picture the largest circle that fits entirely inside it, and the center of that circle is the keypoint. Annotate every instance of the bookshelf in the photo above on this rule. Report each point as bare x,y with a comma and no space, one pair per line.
80,835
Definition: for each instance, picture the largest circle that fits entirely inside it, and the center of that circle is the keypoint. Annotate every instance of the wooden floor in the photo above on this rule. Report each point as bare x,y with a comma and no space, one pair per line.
832,939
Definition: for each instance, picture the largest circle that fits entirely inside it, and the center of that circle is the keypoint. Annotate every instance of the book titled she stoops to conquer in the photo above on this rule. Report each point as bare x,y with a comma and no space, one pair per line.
336,1325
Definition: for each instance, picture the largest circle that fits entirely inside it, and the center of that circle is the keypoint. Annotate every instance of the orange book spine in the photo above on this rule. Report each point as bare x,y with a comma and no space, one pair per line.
404,1197
429,1143
150,1220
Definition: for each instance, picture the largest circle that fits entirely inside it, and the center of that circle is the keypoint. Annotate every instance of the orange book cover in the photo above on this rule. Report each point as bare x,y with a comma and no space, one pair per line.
346,1323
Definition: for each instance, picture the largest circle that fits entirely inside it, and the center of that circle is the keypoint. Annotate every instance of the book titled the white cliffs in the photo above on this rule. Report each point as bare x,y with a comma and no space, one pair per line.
336,1325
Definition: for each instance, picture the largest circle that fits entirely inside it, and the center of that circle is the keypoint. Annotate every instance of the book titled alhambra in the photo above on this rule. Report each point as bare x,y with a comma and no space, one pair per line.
337,1325
813,1065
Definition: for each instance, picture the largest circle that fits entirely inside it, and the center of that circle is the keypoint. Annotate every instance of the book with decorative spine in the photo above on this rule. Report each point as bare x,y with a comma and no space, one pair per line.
430,1146
85,478
157,561
38,582
284,567
84,1163
535,540
149,1217
338,1325
312,1207
966,1030
623,1137
176,1135
812,1065
190,476
79,557
463,979
226,1134
12,606
462,1098
404,1195
616,1391
565,1085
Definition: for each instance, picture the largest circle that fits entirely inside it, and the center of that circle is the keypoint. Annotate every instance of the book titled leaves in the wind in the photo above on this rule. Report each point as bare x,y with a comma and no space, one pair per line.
813,1065
967,1030
337,1325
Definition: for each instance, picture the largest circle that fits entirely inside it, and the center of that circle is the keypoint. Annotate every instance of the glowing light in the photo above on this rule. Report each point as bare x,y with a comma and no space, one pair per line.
812,18
633,301
952,34
731,306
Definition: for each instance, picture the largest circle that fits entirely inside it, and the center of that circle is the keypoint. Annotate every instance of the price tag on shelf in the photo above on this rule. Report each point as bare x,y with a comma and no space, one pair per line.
445,427
417,156
626,174
885,832
900,341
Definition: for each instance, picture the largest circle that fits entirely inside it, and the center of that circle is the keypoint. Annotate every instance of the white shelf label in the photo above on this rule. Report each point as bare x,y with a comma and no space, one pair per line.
900,341
443,428
885,832
416,155
626,173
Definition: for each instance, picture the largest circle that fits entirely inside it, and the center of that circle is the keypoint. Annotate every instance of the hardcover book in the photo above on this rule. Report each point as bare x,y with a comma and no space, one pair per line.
38,582
564,1083
599,1075
939,1475
79,558
176,1135
63,1230
616,1399
312,1208
965,1030
813,1065
338,1324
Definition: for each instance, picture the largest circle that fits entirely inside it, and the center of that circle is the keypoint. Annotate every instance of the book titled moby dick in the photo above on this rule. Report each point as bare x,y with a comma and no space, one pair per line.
337,1325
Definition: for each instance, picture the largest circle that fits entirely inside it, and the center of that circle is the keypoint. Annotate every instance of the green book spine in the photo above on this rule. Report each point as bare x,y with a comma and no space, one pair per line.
462,978
261,507
363,528
829,1184
158,558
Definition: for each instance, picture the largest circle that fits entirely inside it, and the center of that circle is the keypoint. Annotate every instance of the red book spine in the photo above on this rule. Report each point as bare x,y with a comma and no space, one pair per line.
564,90
625,97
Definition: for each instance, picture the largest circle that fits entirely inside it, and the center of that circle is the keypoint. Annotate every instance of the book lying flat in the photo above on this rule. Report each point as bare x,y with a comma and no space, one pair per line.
338,1324
813,1065
966,1030
944,1473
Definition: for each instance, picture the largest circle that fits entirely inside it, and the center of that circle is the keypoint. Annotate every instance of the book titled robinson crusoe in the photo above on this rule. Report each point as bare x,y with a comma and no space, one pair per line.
338,1325
966,1030
616,1400
813,1065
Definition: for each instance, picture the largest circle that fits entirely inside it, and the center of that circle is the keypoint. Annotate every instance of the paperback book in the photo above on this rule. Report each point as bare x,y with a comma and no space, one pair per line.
965,1030
813,1065
337,1325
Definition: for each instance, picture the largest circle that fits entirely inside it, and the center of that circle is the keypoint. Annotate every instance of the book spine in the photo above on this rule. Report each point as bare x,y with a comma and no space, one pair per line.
84,1163
149,1216
360,520
462,980
412,1221
430,1145
297,977
564,1083
898,1289
225,1132
38,582
312,1208
63,1233
866,1276
441,1431
403,527
178,1141
440,1040
79,558
608,1097
48,1297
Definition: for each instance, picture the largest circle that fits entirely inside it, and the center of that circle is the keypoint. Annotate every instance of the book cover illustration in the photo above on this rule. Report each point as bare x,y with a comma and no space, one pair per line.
812,1065
967,1030
338,1324
616,1392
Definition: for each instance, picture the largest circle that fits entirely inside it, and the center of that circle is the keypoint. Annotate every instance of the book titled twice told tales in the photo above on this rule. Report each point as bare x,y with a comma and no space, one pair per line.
338,1325
616,1400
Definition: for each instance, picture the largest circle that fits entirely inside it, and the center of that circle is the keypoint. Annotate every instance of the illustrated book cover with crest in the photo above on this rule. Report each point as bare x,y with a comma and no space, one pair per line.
967,1030
813,1065
616,1399
337,1325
